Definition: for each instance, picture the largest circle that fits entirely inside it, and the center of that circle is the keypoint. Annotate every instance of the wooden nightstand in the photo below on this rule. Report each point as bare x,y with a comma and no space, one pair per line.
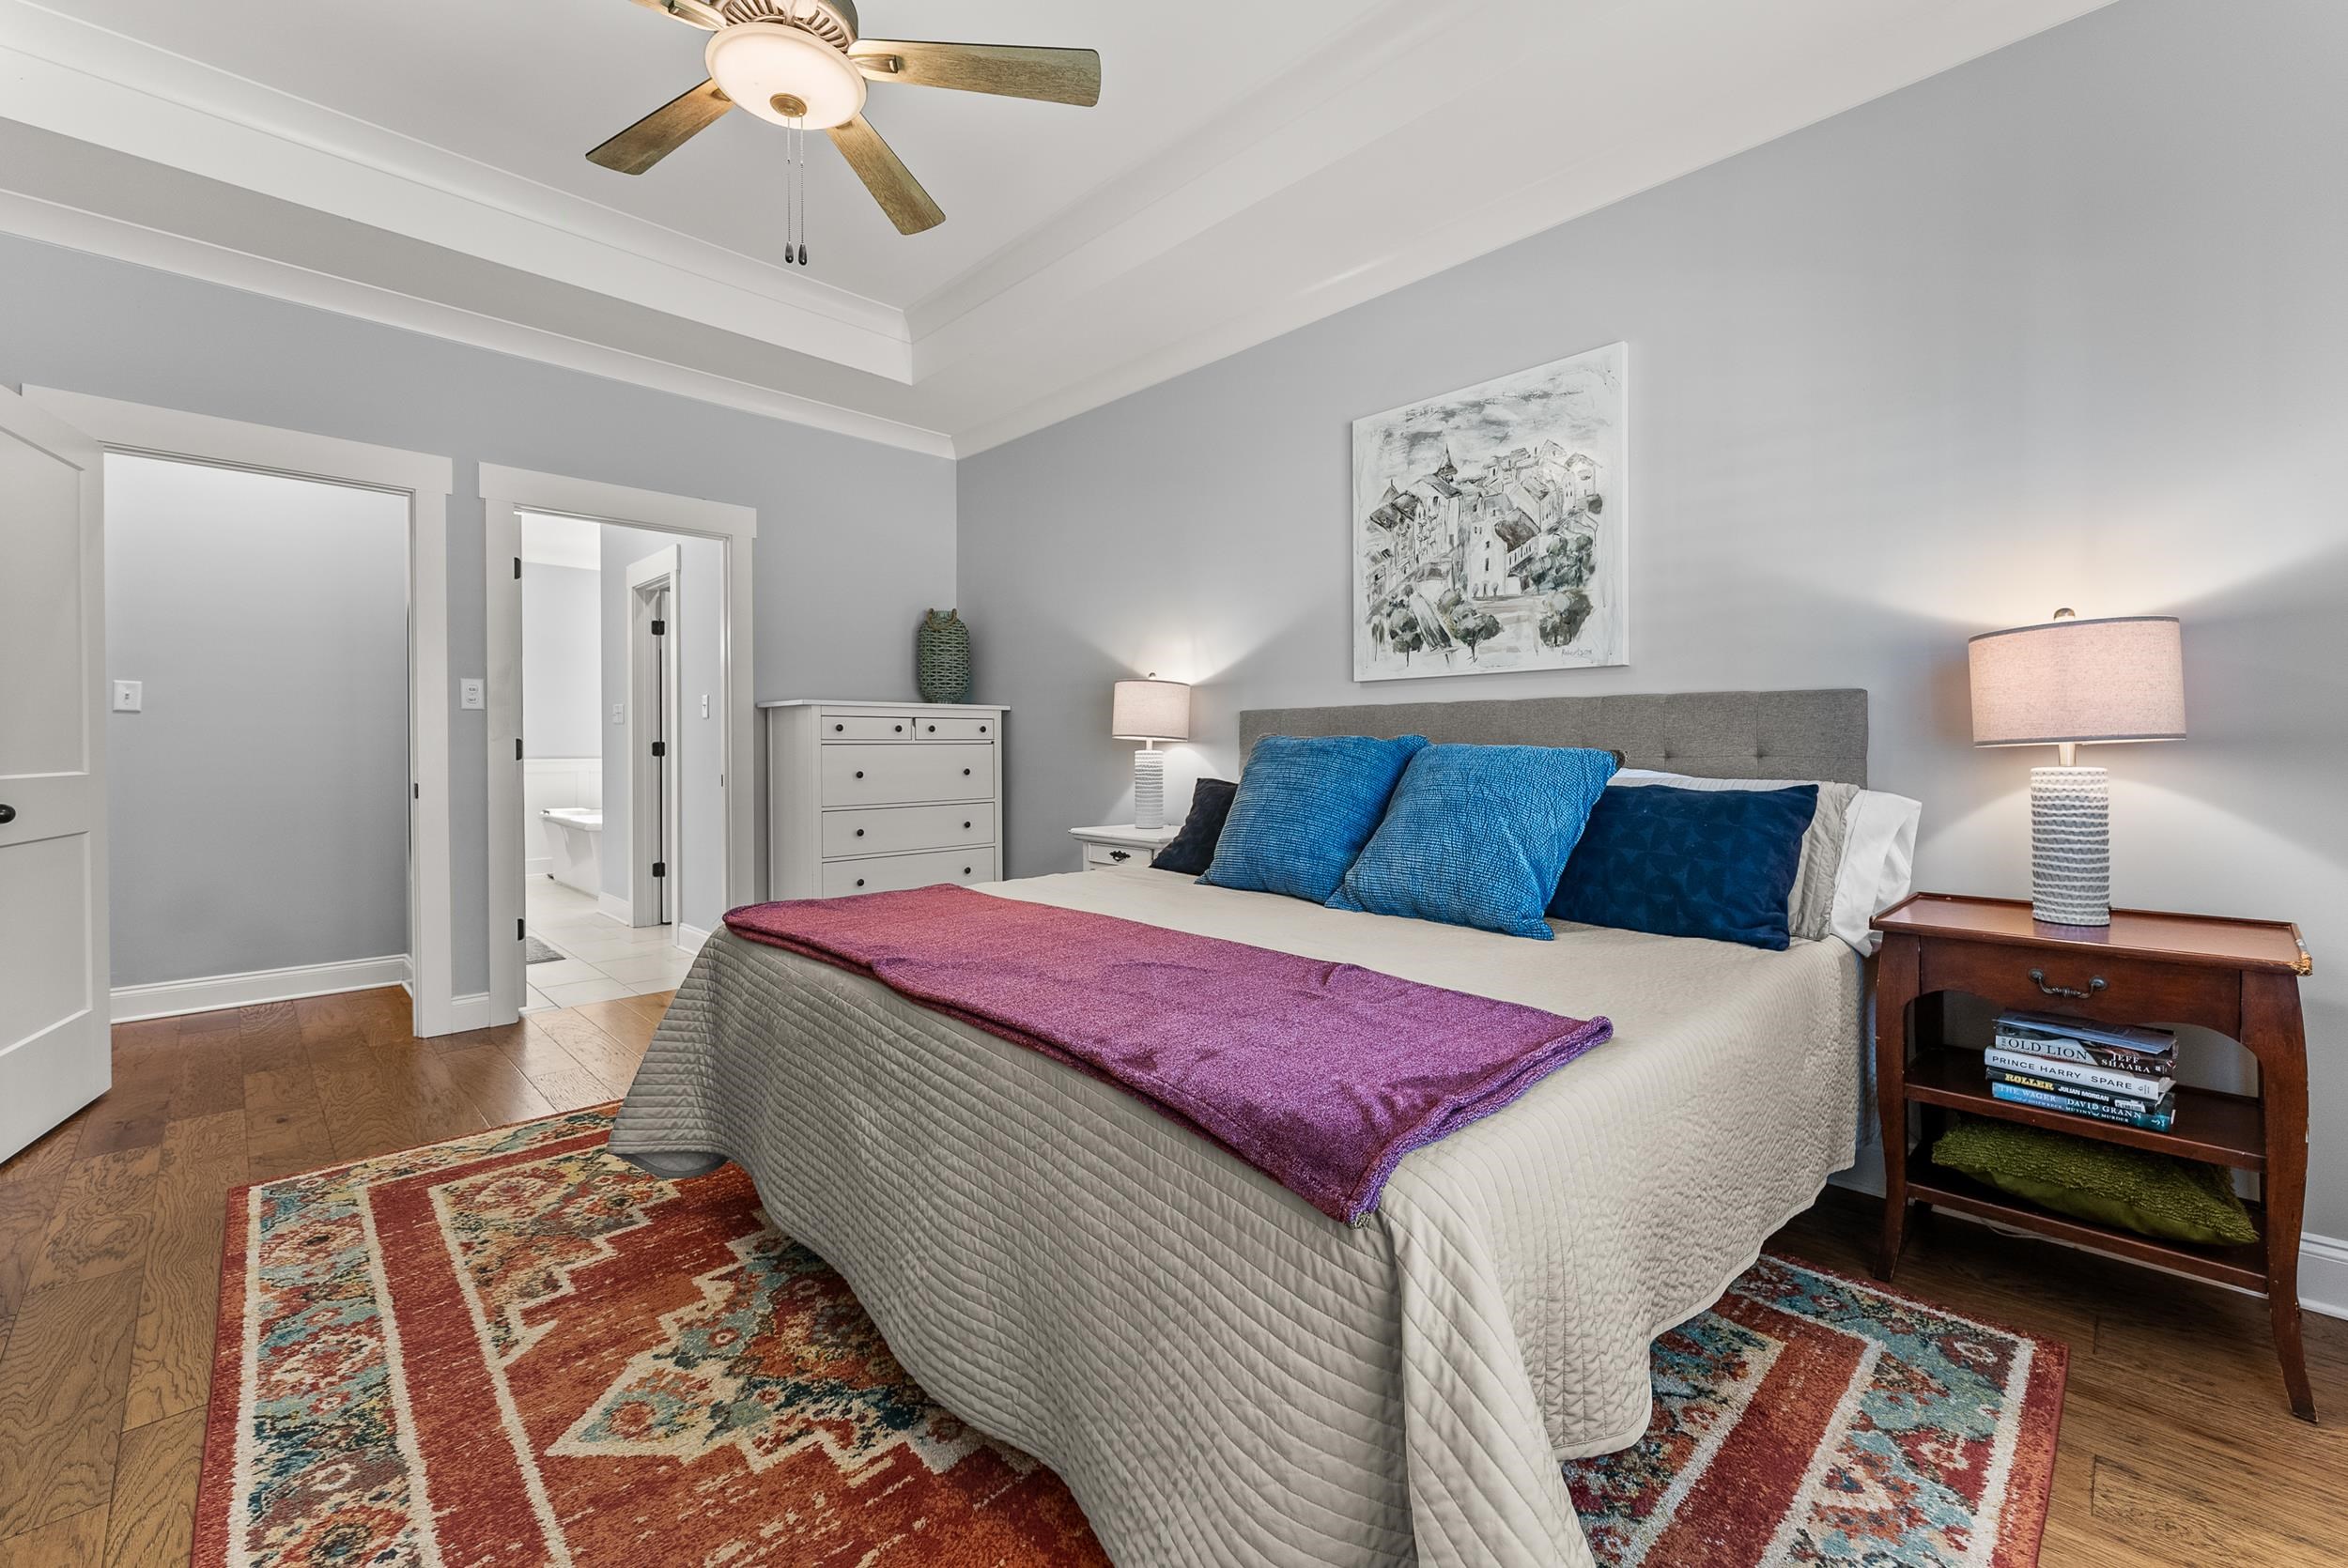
1107,848
2239,977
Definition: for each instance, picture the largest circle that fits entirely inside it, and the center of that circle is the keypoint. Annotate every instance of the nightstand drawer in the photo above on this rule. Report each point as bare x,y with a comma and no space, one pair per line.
1109,857
2131,991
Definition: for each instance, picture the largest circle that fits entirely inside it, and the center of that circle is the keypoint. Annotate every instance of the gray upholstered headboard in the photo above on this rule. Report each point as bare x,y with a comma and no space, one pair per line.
1710,734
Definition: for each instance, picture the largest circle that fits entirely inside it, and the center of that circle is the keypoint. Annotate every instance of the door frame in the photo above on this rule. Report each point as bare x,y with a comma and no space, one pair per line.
508,492
651,901
143,430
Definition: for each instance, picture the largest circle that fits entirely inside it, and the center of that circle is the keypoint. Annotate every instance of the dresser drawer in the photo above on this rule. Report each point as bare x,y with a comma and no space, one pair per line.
893,829
2131,991
885,774
957,729
889,872
1110,857
865,726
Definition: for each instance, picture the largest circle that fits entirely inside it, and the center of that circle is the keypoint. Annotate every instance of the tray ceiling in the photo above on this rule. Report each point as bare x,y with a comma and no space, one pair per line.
422,162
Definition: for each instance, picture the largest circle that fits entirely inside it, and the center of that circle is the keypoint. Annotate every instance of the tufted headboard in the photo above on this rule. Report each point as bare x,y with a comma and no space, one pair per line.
1709,735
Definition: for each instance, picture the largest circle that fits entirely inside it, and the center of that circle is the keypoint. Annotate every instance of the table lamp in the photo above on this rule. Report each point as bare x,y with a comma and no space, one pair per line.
2068,683
1150,711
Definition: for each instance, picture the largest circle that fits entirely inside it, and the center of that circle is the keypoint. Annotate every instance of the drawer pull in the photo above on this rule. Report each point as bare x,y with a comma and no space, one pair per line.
932,729
859,881
860,833
839,728
965,828
859,773
1119,854
966,870
2038,979
981,728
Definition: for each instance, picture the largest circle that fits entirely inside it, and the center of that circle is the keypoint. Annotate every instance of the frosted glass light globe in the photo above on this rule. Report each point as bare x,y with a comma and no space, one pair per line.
756,62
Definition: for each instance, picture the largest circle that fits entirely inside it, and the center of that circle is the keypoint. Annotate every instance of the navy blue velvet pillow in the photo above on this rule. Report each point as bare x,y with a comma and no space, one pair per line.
1712,863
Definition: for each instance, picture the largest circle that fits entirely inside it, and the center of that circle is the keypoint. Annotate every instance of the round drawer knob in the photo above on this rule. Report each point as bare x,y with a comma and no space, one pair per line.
860,833
981,728
839,728
859,881
901,730
932,729
965,828
966,870
859,773
966,773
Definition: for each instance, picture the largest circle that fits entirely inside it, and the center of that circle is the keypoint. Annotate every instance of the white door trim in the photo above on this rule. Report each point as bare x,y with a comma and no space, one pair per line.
651,901
507,492
426,480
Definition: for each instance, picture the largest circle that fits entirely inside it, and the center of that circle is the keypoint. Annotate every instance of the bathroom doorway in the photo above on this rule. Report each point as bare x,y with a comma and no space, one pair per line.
612,719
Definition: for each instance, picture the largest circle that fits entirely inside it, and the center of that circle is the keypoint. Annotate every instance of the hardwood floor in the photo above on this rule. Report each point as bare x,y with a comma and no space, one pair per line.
2176,1446
110,1229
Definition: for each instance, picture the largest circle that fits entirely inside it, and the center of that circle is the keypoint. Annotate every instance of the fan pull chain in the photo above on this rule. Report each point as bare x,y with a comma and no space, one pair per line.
801,225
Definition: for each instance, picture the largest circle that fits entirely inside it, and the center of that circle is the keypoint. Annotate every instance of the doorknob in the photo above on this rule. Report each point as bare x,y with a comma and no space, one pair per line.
7,814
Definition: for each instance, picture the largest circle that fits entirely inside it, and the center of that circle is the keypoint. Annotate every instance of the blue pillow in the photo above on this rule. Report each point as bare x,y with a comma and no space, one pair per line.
1305,809
1476,835
1716,863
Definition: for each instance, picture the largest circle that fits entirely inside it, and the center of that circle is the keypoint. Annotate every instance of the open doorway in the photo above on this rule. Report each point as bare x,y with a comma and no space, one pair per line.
613,648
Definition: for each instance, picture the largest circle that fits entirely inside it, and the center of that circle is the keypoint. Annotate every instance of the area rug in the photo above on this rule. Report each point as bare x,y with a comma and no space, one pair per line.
514,1348
535,951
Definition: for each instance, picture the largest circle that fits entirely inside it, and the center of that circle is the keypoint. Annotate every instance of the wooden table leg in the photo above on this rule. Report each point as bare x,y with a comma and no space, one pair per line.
1897,970
2273,1030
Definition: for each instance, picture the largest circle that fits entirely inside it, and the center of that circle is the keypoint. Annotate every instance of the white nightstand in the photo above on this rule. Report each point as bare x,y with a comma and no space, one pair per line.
1119,844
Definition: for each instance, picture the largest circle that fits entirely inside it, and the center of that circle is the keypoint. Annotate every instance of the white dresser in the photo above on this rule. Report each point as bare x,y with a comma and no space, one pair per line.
865,797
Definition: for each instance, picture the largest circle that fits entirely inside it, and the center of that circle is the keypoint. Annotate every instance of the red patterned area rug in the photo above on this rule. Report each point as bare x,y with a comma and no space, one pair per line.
515,1350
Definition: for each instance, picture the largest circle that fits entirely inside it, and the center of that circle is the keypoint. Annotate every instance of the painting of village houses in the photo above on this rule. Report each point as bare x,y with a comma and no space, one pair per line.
1491,523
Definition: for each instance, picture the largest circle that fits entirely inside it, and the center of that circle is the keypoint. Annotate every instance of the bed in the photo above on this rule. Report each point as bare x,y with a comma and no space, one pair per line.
1221,1373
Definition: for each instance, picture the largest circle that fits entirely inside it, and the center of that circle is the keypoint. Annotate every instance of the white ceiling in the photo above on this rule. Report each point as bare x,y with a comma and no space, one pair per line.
423,164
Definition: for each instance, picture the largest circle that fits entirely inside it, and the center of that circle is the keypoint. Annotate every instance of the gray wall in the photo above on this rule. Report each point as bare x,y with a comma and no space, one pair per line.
699,863
855,540
562,660
256,803
2065,326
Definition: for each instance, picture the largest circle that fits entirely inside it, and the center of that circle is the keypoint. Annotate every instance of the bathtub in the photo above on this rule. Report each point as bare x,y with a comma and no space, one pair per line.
575,843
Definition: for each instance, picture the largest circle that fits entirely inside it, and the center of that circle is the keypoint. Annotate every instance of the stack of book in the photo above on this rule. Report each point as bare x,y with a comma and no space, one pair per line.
2123,1074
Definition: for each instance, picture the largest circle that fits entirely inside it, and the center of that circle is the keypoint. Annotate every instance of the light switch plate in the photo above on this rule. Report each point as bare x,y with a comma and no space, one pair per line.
468,691
704,704
128,695
619,714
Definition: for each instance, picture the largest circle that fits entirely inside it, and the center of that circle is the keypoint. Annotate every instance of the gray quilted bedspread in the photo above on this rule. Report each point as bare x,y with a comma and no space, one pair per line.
1221,1374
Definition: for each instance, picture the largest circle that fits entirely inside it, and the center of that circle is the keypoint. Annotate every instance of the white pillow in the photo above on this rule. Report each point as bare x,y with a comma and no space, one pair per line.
1878,849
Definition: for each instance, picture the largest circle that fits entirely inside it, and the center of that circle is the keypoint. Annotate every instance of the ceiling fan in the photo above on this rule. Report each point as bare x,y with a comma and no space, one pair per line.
801,64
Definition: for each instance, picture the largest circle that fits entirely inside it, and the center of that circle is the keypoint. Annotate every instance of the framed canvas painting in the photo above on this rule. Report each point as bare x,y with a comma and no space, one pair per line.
1492,526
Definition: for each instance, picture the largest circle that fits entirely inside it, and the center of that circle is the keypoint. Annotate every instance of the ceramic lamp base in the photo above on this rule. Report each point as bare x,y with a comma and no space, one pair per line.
2070,846
1149,788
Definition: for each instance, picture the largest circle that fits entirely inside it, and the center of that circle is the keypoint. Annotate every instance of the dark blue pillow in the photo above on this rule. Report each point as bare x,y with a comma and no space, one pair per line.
1476,836
1306,807
1715,863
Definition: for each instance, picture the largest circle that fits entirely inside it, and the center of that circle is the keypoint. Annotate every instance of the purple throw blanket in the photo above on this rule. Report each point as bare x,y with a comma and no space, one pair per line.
1320,1075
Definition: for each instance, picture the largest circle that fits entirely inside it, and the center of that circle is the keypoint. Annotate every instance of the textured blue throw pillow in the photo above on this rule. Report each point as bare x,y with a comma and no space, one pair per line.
1476,835
1716,863
1306,807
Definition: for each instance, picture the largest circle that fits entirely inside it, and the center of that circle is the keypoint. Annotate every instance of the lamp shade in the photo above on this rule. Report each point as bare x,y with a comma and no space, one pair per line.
1151,710
2069,681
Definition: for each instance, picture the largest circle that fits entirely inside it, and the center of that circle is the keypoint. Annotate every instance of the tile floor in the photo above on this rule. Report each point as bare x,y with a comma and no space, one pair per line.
602,959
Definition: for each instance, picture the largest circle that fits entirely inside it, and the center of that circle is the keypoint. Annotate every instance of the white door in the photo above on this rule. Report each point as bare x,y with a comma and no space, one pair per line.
54,1052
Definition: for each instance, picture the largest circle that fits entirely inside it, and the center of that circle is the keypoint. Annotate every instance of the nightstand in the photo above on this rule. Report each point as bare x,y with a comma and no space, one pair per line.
2238,978
1118,845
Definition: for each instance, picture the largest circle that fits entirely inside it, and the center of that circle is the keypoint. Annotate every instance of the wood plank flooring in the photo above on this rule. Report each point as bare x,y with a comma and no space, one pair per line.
2176,1446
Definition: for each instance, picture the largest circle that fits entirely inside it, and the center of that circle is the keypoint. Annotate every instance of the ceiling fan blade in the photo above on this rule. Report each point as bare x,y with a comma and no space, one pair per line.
1013,70
662,131
885,175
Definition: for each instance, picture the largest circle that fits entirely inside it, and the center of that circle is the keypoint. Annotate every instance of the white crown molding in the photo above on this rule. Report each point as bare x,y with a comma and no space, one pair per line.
68,75
102,235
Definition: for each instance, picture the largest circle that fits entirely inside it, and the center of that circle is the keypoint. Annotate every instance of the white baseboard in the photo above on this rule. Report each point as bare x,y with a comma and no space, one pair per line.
209,993
2323,1259
617,906
689,937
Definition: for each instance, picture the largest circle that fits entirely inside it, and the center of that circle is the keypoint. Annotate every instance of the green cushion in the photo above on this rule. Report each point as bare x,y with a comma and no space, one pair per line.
2153,1194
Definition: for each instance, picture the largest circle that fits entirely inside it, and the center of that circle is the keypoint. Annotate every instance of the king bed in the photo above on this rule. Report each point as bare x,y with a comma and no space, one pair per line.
1219,1371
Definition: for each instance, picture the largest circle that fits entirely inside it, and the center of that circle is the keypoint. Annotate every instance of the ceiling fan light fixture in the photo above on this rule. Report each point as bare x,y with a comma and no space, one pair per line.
755,62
